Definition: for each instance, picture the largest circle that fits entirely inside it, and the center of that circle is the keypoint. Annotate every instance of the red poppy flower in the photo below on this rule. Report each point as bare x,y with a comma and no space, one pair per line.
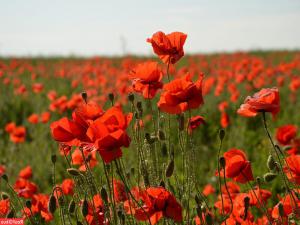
237,166
4,207
225,121
37,87
147,79
157,203
10,127
169,48
18,134
96,213
109,135
26,173
45,117
67,186
291,204
25,188
39,205
292,169
208,189
261,194
180,95
33,118
68,132
285,134
195,122
266,100
90,156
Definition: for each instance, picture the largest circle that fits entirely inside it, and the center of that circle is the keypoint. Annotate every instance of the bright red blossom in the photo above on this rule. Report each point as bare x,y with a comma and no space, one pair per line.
181,95
169,48
266,100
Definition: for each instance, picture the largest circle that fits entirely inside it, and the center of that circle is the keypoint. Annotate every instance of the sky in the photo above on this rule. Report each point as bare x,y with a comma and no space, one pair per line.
111,27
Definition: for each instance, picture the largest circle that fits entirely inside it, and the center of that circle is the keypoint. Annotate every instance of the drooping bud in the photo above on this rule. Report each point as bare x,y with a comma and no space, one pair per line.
52,204
4,195
71,207
73,172
268,177
170,169
271,164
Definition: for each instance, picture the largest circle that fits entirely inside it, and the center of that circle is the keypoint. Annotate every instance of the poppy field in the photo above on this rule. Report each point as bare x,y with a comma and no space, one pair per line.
172,139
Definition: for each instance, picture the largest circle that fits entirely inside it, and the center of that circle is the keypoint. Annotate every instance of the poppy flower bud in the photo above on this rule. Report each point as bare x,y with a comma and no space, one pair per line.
85,208
11,214
221,134
4,195
258,181
121,216
198,200
53,158
52,204
4,177
136,115
164,150
139,106
199,211
111,97
131,97
180,119
84,96
104,195
203,208
161,135
222,162
28,204
268,177
74,172
162,184
247,202
280,209
72,206
271,164
209,219
149,139
170,169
